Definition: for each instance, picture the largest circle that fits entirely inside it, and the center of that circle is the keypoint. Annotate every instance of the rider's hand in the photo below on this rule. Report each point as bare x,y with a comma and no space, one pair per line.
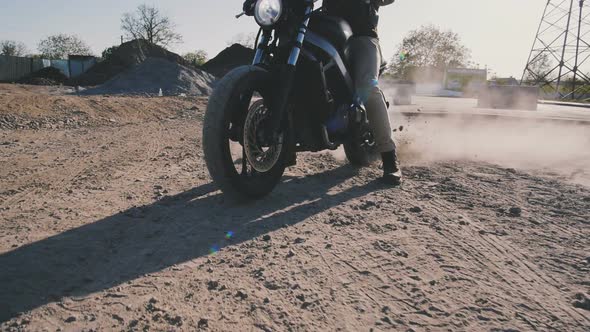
249,7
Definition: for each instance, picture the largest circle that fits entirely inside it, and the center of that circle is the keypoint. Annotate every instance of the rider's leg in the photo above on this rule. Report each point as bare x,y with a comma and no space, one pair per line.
366,62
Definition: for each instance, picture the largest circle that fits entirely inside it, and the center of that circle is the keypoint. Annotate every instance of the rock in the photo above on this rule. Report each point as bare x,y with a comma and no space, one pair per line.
387,320
174,321
242,295
203,323
368,205
306,305
212,284
515,212
70,319
266,238
501,232
299,240
271,285
416,209
582,302
118,318
401,253
291,253
340,221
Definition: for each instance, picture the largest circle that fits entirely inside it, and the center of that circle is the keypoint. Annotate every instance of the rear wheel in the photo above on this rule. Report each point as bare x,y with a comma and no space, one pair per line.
240,161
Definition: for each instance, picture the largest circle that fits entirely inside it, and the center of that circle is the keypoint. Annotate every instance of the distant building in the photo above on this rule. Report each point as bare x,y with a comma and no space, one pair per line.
466,80
503,81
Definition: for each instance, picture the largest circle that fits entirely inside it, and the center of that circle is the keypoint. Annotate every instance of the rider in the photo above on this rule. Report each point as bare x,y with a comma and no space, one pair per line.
365,51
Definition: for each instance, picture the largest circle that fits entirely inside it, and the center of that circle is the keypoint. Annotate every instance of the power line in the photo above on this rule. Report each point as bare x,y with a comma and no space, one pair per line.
559,61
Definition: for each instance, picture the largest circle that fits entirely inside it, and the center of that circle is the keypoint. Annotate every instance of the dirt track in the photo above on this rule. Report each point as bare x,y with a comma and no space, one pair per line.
115,226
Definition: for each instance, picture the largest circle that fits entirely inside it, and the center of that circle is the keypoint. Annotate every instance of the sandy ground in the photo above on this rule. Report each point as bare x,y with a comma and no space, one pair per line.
116,226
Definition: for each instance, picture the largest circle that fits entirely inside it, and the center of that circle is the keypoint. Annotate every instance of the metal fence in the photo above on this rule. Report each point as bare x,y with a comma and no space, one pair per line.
13,68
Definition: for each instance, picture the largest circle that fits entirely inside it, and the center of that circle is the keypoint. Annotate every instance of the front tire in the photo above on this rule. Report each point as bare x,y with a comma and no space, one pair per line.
226,112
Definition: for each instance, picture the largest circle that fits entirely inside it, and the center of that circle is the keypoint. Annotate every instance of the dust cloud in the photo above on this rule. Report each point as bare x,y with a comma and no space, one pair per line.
556,148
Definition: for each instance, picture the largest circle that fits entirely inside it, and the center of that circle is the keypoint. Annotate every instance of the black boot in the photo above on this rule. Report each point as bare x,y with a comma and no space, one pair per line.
392,174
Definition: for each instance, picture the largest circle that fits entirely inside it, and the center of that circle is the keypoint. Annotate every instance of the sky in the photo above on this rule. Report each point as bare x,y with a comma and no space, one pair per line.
499,33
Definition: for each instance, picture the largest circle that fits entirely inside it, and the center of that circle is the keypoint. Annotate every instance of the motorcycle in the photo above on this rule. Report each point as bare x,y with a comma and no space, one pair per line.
297,96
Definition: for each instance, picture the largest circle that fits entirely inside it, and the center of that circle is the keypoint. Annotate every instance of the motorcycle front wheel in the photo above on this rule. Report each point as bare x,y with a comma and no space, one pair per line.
239,162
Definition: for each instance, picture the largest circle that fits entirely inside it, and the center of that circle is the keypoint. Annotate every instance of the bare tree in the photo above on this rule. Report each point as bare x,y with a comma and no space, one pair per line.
13,48
62,45
540,69
148,23
429,46
197,58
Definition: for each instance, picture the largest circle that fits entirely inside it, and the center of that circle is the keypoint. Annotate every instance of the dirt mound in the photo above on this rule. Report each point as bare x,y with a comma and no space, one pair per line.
45,76
124,57
230,58
27,107
154,74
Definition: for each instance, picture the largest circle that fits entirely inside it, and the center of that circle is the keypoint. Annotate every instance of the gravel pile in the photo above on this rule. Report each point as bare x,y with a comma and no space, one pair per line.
13,122
45,76
154,74
123,58
230,58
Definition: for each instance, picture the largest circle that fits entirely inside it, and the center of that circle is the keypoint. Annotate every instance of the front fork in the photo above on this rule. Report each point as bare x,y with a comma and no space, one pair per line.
286,76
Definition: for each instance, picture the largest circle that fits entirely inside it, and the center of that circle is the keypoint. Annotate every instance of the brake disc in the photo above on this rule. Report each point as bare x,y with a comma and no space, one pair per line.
262,156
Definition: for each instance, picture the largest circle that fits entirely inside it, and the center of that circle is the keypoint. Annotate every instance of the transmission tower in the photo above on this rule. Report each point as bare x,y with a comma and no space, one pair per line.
559,62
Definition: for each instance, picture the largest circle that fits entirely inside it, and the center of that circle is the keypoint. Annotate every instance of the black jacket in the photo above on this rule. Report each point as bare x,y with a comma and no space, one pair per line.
362,15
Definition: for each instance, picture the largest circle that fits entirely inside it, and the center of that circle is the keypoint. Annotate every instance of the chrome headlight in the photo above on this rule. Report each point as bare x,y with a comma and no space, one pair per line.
268,12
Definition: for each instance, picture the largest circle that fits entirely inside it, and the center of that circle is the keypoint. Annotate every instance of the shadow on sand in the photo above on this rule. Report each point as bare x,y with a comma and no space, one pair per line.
128,245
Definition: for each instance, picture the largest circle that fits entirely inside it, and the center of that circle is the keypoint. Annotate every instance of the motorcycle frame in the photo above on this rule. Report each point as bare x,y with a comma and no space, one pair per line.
311,46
